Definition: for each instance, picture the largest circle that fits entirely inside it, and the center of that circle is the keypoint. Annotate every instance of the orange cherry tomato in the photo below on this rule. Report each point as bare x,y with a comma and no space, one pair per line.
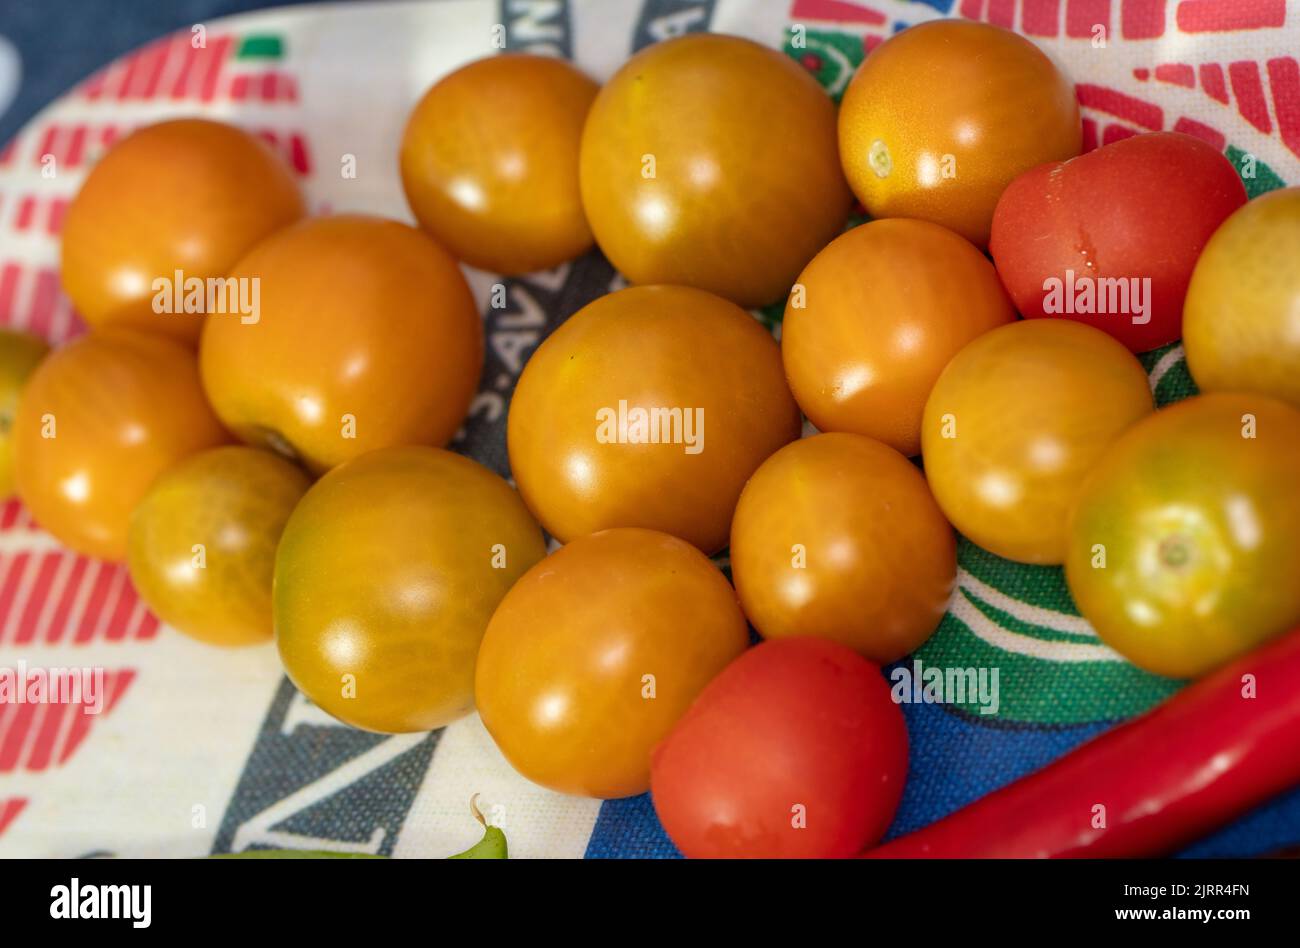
385,578
190,195
1241,323
710,161
874,319
201,544
838,536
597,651
490,162
99,420
367,336
1015,423
941,117
1185,540
648,408
20,353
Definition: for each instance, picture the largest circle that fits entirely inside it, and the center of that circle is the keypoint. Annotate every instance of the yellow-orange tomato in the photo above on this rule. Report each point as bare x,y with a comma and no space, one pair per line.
1241,321
838,536
648,408
20,353
710,161
1185,539
366,336
190,195
597,651
490,162
201,544
1015,423
941,117
385,579
99,420
874,319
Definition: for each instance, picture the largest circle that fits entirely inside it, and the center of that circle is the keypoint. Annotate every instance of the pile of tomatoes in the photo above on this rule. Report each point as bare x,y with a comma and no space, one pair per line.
275,468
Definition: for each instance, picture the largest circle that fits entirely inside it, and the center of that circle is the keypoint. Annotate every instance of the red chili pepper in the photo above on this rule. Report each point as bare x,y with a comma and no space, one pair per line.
1205,755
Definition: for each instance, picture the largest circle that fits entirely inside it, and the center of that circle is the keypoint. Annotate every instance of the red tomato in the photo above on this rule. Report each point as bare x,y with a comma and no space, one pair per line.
796,750
1111,238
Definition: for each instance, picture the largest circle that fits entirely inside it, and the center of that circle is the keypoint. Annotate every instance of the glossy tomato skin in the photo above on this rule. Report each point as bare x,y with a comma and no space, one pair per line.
1196,513
385,578
664,347
367,337
489,162
1241,324
1015,423
20,353
941,117
838,536
201,544
597,651
1140,209
796,750
876,316
98,421
687,180
188,194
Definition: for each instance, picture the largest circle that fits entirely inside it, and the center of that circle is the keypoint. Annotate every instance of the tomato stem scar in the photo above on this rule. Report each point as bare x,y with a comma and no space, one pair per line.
878,158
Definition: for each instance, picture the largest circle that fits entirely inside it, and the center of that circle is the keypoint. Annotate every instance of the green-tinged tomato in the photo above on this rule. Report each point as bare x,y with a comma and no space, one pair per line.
385,579
1241,324
201,545
1184,545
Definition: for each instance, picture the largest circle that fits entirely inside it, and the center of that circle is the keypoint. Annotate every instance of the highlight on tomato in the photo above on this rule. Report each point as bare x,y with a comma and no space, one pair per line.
710,161
1184,541
201,543
1110,238
650,407
942,116
875,317
597,651
489,162
99,419
185,197
795,750
1015,423
838,536
366,336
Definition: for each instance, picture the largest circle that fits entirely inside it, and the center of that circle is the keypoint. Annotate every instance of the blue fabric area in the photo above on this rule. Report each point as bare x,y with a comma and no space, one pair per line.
955,760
